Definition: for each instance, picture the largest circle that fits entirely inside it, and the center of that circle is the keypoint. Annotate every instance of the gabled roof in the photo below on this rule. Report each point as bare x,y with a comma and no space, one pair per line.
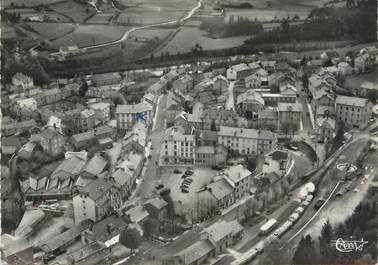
122,176
236,173
50,133
195,251
246,133
220,188
96,165
157,202
250,95
72,166
97,188
278,155
221,229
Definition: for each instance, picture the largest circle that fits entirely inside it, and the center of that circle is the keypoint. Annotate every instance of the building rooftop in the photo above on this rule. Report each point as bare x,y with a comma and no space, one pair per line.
236,173
72,166
95,165
294,107
278,155
246,133
157,202
220,188
137,108
194,252
137,214
122,176
351,101
97,188
205,149
221,229
250,95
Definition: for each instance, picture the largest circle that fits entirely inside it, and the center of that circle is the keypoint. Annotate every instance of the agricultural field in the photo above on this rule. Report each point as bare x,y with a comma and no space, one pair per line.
51,31
143,16
7,3
78,12
187,37
161,4
8,32
85,35
148,34
101,18
354,81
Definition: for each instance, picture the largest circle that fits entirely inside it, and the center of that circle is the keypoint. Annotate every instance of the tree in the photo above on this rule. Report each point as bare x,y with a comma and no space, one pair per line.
251,163
285,128
213,126
152,57
130,238
325,250
150,227
372,96
305,252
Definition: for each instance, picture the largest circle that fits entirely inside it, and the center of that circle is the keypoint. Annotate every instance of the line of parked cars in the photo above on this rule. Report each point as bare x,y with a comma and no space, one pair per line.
187,180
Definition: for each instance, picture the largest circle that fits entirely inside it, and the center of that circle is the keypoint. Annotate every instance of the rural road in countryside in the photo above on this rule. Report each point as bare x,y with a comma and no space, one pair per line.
127,33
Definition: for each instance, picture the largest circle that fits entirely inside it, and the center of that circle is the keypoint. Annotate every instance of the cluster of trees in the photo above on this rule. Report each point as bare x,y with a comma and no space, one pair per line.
360,225
11,17
357,23
30,66
239,27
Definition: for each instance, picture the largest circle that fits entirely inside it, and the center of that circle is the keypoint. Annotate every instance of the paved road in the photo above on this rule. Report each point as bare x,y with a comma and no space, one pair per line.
331,178
127,33
156,136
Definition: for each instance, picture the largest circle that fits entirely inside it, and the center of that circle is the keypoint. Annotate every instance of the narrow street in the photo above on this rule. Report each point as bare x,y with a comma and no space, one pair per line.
156,135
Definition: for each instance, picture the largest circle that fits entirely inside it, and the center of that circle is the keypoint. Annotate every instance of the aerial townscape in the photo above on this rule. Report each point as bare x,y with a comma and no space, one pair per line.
189,132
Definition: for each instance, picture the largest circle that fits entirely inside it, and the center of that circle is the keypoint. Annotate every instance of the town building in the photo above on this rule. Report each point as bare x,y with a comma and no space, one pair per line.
106,79
272,99
238,71
267,119
26,104
250,101
102,110
213,119
353,112
289,114
157,208
247,141
96,200
93,253
178,147
326,129
278,161
365,88
52,141
127,115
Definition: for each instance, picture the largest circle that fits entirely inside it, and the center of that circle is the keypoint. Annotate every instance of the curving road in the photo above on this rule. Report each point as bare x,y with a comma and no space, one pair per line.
127,33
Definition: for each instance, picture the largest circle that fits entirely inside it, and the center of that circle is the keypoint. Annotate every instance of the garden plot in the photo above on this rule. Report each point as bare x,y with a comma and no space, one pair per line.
51,30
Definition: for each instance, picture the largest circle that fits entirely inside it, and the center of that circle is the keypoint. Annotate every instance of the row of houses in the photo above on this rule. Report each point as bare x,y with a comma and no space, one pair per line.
210,147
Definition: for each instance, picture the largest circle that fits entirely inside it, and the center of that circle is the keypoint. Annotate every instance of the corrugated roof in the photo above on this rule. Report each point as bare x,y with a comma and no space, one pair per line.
246,133
351,101
137,108
196,251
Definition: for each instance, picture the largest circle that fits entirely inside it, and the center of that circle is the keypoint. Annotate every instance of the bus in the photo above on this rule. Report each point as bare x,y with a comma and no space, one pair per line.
268,226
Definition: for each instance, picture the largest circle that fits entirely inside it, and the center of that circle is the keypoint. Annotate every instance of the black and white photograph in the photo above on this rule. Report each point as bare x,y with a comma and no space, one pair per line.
189,132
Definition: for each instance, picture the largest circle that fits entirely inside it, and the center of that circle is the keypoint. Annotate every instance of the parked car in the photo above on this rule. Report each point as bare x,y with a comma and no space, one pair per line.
319,204
47,257
185,186
189,172
184,190
293,147
160,186
176,171
165,191
189,179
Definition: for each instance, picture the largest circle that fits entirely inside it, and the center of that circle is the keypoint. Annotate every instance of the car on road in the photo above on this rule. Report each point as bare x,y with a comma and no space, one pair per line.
319,203
176,171
185,186
184,190
293,147
160,186
189,172
48,257
189,179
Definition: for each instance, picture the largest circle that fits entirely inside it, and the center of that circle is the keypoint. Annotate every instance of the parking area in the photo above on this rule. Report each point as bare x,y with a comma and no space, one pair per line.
186,203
